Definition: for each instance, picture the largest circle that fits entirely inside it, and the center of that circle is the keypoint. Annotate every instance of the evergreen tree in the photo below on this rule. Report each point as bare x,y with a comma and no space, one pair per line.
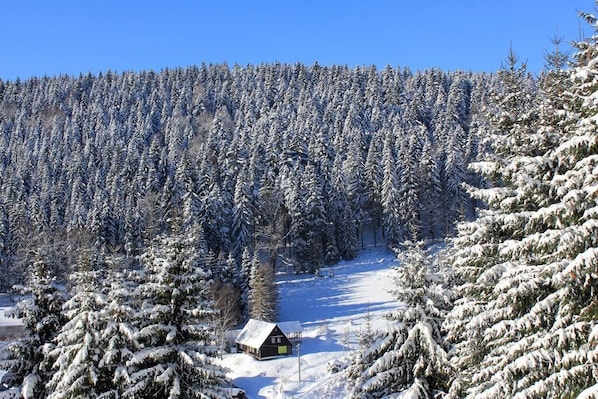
452,177
242,218
430,191
411,356
118,337
524,325
513,111
175,329
374,176
4,245
78,346
26,360
394,230
409,205
245,278
263,294
342,216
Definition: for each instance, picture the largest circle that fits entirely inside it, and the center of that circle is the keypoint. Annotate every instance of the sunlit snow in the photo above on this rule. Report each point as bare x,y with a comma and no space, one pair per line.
332,310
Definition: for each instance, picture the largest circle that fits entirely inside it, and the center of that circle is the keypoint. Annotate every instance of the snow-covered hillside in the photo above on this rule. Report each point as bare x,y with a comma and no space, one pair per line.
333,311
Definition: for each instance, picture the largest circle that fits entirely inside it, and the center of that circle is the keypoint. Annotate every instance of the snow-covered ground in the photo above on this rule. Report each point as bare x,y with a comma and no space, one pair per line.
6,303
333,310
6,323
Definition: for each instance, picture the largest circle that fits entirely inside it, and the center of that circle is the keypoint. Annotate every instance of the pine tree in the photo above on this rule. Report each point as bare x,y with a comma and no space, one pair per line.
78,347
175,327
524,325
26,359
411,356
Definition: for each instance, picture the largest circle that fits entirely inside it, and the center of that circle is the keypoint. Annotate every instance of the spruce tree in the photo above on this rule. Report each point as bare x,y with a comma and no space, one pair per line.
118,336
263,294
175,328
26,359
411,356
394,230
78,346
524,325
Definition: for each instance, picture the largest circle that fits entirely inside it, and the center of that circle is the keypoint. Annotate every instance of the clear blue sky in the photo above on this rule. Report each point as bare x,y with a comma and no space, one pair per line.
43,37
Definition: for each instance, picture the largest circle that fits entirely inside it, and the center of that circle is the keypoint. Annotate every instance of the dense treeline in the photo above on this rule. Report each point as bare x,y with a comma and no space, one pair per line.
303,164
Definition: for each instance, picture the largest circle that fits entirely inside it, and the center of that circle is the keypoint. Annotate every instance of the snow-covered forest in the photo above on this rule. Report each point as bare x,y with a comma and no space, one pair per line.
143,214
306,161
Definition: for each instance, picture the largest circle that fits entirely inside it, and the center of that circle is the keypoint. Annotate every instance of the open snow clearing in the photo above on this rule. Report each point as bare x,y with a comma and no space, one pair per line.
335,309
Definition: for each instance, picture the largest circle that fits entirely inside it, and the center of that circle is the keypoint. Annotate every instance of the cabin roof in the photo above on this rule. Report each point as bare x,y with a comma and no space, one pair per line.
255,333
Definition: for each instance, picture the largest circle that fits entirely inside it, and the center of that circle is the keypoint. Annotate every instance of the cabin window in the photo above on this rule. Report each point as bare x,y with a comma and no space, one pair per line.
282,350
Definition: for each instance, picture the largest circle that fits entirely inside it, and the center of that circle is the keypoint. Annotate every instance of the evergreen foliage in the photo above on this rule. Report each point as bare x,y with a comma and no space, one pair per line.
26,359
263,295
118,336
193,186
174,327
524,325
411,356
75,357
291,161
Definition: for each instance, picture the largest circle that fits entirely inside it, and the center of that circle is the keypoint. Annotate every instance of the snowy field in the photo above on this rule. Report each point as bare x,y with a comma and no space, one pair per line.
333,310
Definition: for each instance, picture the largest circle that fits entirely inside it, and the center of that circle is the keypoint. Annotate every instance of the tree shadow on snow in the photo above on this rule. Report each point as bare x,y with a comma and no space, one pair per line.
315,301
253,385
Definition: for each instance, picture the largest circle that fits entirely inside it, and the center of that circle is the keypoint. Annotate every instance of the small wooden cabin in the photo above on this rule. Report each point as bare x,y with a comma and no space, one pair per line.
263,340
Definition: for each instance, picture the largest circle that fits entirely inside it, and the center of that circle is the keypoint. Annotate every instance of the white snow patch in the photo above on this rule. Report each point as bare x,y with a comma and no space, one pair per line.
6,305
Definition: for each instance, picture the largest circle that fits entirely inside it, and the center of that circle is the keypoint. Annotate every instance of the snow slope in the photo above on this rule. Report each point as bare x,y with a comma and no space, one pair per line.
333,311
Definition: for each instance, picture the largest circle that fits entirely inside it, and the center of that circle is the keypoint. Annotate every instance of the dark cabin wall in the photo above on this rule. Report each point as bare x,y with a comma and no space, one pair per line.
277,339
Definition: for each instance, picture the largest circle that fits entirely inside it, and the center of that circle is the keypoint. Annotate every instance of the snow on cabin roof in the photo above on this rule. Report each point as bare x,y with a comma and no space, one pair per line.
255,333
